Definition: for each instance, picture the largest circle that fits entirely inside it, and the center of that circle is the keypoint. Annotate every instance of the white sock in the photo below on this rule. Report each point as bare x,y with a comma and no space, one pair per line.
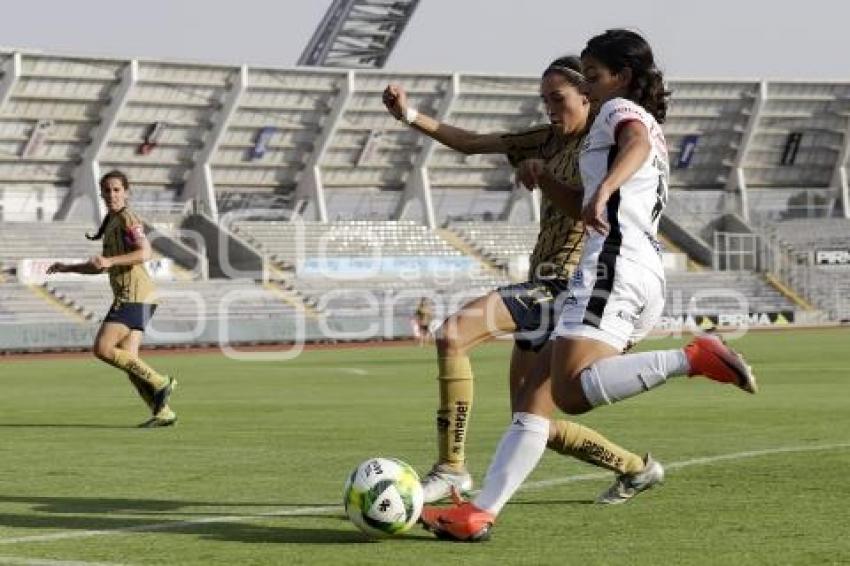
521,448
620,377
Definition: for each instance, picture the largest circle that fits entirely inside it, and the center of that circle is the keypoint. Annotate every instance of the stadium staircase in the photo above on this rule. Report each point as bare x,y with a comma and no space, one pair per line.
467,248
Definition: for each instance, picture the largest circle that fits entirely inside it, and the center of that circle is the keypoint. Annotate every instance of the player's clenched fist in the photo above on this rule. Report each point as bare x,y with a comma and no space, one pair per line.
395,99
529,172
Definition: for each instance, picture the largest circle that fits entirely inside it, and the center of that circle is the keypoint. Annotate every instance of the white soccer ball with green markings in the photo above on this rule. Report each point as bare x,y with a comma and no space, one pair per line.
383,497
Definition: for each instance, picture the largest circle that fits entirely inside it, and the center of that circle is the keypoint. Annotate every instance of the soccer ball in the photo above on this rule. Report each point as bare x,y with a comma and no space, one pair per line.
383,497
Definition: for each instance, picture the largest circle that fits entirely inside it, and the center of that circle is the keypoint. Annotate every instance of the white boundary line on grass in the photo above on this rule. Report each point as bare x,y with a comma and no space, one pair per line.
354,371
23,561
692,462
335,509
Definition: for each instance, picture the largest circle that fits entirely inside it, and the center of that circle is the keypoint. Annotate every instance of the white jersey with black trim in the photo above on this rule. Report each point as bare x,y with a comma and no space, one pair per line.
635,209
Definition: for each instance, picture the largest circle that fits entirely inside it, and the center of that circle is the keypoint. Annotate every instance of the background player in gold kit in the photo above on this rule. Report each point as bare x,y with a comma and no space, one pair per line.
125,249
547,157
423,317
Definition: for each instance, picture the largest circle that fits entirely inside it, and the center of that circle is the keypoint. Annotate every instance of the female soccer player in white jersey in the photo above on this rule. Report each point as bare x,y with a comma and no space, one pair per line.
547,157
617,293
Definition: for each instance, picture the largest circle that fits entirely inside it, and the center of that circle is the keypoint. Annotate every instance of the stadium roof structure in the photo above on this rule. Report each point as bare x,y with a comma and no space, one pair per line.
358,34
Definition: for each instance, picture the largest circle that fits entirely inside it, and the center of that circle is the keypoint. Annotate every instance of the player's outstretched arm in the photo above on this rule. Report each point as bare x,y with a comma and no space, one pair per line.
86,268
464,141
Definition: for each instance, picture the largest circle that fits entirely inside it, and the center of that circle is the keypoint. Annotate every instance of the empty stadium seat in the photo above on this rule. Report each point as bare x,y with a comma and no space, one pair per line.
284,242
184,300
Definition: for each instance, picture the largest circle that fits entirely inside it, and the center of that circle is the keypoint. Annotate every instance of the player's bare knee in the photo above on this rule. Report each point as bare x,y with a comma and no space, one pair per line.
103,351
449,342
569,397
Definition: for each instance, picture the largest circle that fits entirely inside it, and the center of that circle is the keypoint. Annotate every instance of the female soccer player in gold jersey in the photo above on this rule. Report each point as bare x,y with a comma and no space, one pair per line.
125,249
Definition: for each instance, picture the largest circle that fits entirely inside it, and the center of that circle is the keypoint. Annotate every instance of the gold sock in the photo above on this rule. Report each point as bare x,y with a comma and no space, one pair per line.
131,364
143,388
455,406
573,439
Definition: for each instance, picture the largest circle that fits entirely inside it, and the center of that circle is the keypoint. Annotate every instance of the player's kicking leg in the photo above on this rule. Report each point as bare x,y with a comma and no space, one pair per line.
475,322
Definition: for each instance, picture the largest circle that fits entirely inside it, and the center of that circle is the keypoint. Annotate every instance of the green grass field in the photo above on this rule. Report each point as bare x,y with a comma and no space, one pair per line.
254,472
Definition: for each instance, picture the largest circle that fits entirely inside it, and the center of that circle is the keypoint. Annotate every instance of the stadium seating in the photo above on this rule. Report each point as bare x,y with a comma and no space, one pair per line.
819,112
796,243
294,105
19,304
813,234
267,144
714,292
696,210
472,186
284,242
20,240
70,93
182,301
183,98
498,241
715,116
830,289
396,296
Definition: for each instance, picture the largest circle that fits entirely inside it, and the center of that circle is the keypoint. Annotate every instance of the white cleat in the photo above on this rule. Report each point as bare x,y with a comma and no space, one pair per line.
629,485
438,483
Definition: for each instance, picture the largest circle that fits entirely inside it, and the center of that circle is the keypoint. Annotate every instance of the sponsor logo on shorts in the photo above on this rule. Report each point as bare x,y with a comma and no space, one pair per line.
628,316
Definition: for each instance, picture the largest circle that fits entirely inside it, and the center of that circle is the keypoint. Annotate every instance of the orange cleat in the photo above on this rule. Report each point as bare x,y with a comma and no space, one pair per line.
462,522
708,355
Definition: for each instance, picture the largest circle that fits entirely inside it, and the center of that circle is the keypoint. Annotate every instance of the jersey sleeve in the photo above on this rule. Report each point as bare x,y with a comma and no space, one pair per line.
132,229
526,145
617,113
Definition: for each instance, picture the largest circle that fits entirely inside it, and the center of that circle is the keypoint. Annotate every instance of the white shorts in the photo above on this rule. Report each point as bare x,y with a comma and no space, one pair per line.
614,300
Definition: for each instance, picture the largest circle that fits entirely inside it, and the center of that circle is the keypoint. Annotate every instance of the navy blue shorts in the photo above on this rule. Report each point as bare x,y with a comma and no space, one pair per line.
134,316
533,306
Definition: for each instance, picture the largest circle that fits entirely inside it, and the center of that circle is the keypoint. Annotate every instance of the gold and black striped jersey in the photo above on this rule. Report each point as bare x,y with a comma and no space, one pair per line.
424,314
559,242
130,283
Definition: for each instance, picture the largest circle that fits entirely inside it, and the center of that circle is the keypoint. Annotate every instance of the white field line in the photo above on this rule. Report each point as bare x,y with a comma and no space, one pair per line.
22,561
692,462
335,509
354,371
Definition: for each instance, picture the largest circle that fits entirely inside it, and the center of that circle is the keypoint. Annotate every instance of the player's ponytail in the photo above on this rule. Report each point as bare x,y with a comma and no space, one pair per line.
125,182
653,94
618,49
100,230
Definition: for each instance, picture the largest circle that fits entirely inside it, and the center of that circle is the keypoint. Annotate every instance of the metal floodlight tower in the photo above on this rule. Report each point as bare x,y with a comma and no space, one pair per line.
358,34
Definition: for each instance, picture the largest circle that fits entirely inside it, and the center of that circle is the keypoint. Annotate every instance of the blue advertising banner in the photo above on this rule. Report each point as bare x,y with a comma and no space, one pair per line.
686,151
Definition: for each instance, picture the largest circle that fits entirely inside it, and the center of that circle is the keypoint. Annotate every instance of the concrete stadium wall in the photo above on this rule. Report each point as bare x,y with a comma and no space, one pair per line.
182,254
291,330
228,256
691,243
